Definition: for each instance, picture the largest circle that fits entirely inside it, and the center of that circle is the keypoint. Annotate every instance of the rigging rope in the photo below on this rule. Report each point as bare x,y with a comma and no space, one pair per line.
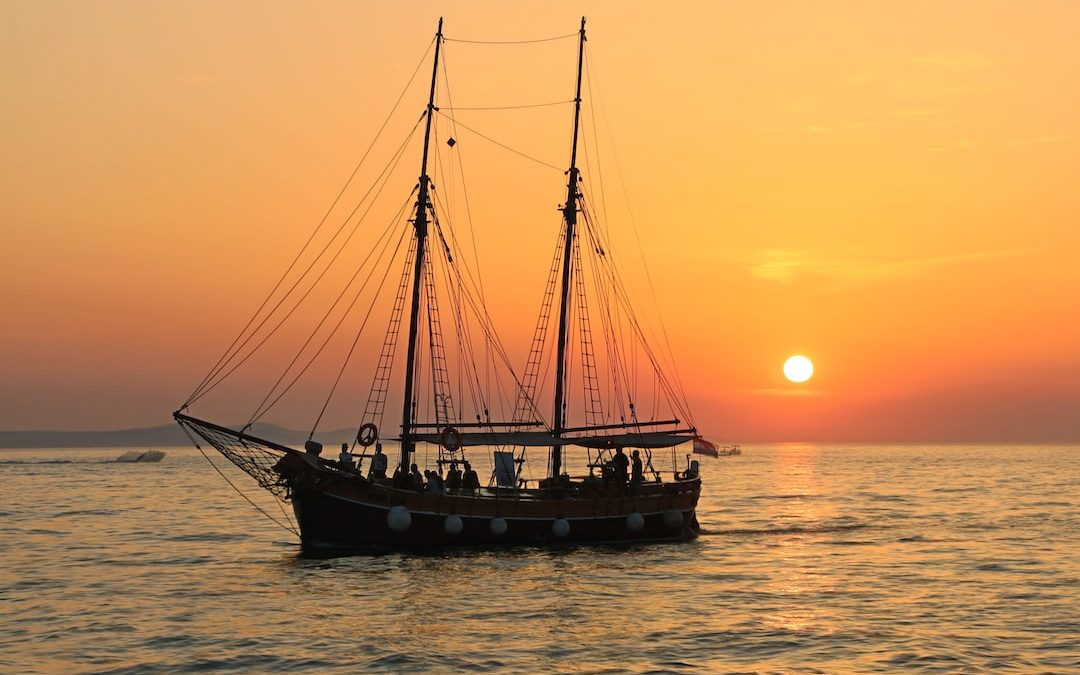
510,42
613,327
503,145
596,141
510,107
493,339
225,357
263,407
461,327
241,493
680,391
478,282
291,527
480,310
622,296
383,176
356,340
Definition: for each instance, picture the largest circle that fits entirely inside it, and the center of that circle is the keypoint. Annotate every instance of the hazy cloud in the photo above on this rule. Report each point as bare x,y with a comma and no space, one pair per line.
921,113
962,144
784,265
953,62
954,145
794,390
830,128
1038,140
196,78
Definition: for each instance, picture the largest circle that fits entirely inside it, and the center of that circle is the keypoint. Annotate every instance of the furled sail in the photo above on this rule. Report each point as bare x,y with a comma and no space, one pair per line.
648,439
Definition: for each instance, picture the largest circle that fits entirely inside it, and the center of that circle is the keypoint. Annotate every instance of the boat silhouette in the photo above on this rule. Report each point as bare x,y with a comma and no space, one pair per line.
361,499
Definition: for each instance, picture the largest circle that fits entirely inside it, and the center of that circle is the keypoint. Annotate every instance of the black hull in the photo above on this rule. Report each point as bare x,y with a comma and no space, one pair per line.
339,510
331,523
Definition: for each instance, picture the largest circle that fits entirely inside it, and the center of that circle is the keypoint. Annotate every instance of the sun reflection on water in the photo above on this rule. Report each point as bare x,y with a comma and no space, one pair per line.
813,558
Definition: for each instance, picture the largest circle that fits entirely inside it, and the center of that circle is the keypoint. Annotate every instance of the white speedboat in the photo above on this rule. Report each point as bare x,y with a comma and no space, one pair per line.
141,456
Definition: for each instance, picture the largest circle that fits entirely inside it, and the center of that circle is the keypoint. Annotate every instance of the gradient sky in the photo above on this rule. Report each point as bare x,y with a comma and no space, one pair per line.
888,188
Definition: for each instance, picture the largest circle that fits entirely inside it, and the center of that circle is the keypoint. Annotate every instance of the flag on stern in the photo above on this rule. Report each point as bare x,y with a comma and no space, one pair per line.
703,447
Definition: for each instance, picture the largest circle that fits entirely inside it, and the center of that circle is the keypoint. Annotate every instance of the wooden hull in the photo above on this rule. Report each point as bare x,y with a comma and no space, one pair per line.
338,512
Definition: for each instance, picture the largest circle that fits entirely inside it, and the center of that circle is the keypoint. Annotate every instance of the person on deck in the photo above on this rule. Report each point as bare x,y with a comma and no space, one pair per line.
345,459
637,471
435,483
469,480
453,477
621,463
416,479
691,471
378,463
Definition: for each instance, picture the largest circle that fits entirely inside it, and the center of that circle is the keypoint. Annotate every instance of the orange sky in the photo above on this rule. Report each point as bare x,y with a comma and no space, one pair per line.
888,188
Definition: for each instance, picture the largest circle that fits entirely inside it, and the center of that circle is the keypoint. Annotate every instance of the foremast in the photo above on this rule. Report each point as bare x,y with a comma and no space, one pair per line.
420,222
570,212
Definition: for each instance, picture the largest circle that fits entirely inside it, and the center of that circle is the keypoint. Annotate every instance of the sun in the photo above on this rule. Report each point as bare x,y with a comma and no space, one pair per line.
798,368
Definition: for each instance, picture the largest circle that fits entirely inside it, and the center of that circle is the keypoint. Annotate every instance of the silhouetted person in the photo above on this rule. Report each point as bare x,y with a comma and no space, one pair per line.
435,483
416,480
469,479
621,463
453,477
378,463
692,470
637,471
345,460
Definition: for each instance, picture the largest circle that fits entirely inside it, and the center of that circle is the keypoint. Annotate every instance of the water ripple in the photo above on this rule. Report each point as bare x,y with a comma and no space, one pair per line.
814,560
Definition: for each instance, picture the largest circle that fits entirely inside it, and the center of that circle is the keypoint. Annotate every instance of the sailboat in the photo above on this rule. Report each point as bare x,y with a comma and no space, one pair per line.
364,500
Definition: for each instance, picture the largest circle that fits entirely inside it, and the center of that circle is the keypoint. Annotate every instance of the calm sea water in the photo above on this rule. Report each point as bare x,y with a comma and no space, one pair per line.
815,559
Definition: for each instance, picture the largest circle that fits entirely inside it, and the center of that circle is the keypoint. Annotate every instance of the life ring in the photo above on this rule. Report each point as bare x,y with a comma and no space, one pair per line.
450,438
368,434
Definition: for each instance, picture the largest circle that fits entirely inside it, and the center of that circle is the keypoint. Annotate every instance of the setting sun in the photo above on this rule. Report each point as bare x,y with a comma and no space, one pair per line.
798,368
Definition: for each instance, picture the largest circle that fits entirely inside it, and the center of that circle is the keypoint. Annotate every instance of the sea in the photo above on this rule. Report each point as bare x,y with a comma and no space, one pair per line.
813,559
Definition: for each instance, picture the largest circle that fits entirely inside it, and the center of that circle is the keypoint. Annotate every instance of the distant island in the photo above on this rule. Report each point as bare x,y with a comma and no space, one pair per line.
163,436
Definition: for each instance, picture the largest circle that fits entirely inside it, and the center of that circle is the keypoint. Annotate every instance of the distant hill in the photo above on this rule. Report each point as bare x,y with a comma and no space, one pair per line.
164,436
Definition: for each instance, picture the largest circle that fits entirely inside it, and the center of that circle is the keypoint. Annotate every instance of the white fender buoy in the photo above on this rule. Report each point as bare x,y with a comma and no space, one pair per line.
398,519
635,522
673,518
560,527
453,525
497,526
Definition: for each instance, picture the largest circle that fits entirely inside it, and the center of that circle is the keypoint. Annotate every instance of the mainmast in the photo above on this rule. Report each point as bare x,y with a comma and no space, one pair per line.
421,225
570,216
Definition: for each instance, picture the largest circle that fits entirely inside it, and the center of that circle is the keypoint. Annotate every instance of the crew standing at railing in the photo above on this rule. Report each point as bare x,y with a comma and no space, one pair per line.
378,463
345,459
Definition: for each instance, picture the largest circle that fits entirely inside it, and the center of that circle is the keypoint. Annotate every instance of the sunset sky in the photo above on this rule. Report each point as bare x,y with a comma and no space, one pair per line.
889,188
